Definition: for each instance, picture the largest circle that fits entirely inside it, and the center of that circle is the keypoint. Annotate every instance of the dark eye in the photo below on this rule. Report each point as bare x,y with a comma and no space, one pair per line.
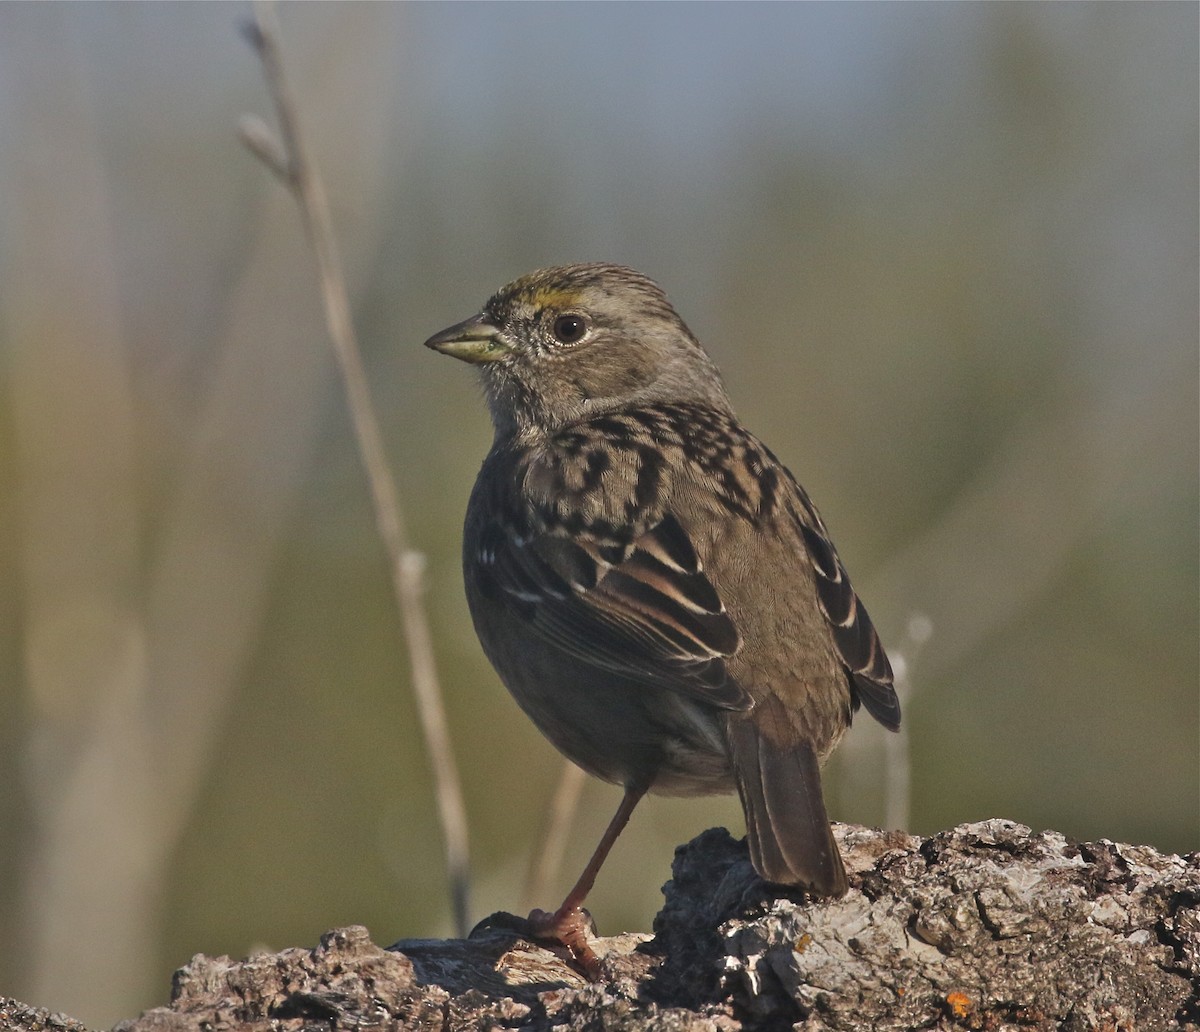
569,329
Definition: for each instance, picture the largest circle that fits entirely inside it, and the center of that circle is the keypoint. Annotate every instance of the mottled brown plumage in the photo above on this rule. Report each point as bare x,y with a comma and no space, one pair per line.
650,582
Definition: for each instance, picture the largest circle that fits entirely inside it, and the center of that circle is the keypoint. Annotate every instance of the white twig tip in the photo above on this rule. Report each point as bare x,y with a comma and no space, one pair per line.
265,145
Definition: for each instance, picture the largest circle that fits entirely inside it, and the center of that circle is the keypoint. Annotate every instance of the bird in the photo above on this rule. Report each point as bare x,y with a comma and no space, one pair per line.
652,585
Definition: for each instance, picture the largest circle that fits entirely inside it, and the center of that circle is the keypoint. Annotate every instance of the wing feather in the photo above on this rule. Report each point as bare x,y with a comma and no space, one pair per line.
644,610
853,632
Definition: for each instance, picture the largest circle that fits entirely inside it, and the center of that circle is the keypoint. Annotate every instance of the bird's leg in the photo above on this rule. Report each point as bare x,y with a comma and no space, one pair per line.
568,925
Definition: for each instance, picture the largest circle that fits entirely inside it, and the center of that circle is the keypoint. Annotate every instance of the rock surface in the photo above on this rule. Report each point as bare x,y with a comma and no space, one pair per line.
986,926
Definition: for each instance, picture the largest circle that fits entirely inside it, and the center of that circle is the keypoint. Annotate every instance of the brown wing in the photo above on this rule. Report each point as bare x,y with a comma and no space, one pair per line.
644,609
857,642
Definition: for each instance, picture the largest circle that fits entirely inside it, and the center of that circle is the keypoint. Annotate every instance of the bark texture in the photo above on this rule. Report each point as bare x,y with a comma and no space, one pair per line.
986,926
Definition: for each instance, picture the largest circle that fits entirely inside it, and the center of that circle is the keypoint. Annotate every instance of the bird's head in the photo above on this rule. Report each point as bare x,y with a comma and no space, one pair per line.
562,344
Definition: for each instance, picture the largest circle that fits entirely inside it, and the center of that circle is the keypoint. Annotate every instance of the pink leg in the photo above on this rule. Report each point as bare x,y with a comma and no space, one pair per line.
568,924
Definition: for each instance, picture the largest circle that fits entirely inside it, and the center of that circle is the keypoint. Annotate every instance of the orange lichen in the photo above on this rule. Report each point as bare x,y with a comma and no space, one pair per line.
959,1003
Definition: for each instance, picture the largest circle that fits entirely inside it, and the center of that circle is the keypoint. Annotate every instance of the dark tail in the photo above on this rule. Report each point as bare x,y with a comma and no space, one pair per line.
790,840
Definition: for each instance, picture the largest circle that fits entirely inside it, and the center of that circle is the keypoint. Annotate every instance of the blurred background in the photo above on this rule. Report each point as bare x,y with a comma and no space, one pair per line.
945,254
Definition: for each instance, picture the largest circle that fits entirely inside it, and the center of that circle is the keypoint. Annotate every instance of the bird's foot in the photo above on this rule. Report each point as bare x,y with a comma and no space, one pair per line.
569,928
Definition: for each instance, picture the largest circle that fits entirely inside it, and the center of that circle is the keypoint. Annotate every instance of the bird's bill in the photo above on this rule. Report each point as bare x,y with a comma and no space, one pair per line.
473,340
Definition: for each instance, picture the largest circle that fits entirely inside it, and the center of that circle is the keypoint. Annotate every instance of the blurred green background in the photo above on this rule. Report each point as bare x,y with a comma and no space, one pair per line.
946,256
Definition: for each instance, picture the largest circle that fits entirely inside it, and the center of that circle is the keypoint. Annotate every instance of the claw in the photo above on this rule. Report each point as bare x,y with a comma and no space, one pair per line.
571,930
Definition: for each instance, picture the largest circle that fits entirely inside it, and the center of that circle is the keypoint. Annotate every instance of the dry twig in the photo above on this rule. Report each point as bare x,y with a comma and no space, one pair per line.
546,859
288,159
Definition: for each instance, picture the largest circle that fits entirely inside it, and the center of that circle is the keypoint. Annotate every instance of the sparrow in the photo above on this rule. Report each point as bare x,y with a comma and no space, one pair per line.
651,584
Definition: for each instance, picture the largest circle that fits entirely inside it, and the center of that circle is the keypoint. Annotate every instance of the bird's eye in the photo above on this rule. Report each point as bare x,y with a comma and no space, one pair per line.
569,329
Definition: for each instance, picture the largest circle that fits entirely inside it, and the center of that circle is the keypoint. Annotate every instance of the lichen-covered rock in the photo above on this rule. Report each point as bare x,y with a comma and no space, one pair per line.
984,926
987,926
346,981
15,1015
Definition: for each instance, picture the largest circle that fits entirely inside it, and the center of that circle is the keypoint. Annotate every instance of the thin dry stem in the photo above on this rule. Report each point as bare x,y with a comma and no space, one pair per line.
288,159
897,763
546,859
